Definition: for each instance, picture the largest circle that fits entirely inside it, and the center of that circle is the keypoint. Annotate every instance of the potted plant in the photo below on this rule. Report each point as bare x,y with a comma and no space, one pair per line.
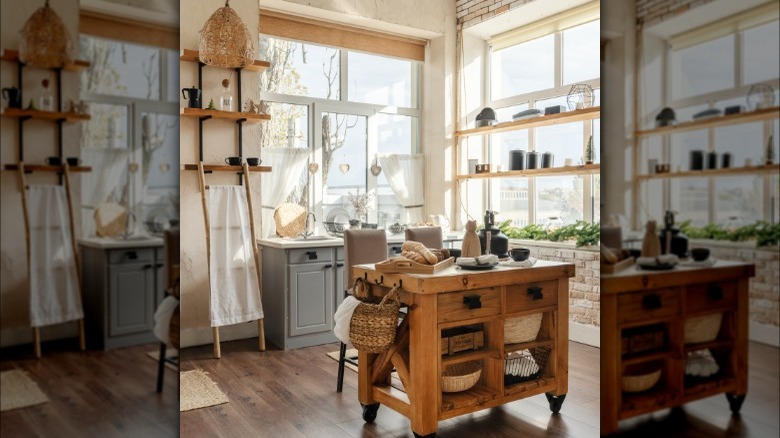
590,152
361,204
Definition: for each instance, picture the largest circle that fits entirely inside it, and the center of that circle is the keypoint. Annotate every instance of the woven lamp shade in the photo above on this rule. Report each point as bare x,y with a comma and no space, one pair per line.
225,41
45,42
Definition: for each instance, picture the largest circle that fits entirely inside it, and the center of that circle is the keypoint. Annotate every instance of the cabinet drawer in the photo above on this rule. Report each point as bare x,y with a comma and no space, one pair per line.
709,296
311,255
521,297
135,255
639,306
463,305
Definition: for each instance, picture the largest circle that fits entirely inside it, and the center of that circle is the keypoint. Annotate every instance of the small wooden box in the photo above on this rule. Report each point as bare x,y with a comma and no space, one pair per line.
643,341
461,339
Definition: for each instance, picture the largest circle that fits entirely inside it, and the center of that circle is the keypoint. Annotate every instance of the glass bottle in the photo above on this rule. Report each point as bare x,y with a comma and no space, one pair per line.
226,98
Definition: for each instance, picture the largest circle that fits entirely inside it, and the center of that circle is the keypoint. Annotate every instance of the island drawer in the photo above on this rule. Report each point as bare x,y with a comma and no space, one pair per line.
710,296
311,255
528,296
464,305
134,255
647,305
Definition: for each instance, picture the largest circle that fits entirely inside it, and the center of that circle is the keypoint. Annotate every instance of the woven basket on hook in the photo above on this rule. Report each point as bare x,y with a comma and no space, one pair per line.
375,319
225,40
45,42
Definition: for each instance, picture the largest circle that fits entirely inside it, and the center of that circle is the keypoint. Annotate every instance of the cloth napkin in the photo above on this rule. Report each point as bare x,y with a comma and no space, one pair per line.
668,259
343,317
527,263
702,264
486,259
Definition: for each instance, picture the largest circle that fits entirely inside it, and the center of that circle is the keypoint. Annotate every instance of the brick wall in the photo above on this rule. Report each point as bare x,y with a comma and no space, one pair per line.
471,12
584,287
764,287
653,11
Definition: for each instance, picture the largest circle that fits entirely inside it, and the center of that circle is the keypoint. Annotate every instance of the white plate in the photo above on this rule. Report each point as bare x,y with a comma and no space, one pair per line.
339,216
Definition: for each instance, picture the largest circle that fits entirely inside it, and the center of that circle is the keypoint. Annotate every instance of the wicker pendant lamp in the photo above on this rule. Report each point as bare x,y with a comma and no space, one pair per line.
45,42
225,40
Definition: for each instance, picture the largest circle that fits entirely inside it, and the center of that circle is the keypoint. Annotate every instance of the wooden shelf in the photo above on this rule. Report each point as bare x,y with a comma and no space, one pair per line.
466,356
536,122
648,357
731,171
709,388
227,168
508,348
718,343
193,56
44,115
13,56
476,395
227,115
715,122
550,171
659,397
47,168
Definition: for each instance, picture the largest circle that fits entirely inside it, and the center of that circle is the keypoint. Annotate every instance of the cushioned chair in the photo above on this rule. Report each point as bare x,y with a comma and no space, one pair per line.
428,236
360,246
172,259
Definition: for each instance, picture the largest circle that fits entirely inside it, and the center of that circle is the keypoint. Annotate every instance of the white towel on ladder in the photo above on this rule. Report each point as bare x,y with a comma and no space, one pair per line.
55,295
235,292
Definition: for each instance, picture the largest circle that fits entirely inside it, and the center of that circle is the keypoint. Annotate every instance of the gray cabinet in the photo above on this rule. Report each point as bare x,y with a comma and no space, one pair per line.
301,290
122,288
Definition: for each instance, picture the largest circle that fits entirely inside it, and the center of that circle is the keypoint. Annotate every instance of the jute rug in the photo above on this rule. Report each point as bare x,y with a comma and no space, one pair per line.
350,358
197,390
174,357
19,391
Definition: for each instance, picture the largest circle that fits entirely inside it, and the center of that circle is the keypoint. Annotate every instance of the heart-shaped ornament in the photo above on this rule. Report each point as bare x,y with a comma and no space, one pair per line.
132,167
344,167
313,168
376,169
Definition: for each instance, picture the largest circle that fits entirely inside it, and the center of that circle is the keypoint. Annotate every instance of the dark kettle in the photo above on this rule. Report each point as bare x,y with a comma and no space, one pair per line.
14,96
192,95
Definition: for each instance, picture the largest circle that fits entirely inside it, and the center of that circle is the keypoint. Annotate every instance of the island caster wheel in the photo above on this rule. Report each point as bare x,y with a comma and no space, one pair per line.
556,401
369,412
735,402
430,435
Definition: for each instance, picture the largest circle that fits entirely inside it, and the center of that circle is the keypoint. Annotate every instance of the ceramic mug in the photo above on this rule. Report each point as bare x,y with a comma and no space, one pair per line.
53,161
253,161
73,161
233,161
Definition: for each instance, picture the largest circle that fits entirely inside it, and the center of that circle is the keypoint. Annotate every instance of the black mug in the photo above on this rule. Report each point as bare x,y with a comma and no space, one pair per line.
14,96
193,96
73,161
233,161
53,161
253,161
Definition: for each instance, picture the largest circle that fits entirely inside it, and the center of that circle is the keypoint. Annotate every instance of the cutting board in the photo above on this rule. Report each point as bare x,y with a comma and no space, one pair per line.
402,264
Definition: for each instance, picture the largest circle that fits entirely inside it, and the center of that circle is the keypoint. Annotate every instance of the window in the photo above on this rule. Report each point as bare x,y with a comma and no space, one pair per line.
347,108
556,61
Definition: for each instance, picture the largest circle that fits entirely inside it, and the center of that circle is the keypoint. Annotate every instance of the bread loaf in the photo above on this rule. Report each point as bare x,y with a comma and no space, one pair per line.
414,256
419,248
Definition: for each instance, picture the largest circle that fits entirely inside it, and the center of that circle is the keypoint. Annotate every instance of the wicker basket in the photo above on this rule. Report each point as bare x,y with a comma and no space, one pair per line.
461,376
702,328
525,365
641,382
290,219
522,329
374,321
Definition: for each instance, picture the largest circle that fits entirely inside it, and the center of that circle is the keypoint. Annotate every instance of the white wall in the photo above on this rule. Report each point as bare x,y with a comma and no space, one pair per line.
40,141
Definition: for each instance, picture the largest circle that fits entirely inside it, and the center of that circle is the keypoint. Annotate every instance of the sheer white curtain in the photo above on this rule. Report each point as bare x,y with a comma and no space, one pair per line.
404,172
287,164
108,177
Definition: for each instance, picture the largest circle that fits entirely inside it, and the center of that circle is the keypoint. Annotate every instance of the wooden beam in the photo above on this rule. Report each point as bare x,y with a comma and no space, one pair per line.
123,29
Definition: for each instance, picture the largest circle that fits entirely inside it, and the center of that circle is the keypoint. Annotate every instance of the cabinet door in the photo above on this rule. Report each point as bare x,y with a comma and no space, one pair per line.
131,298
311,298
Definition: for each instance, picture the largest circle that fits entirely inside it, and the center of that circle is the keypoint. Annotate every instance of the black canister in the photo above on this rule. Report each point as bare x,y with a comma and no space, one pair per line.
712,160
547,160
725,160
696,161
517,159
532,160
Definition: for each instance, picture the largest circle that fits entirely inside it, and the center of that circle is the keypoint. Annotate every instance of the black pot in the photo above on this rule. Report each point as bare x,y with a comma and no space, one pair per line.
499,242
679,245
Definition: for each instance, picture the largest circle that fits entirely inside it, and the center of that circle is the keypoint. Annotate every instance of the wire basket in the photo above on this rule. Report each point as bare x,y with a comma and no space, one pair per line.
525,365
334,228
522,329
460,376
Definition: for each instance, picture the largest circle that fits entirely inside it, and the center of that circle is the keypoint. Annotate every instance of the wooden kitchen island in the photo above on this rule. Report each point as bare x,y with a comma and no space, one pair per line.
644,319
455,298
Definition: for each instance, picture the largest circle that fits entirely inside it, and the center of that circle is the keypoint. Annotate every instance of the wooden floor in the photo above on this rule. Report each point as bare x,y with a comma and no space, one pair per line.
711,417
293,394
93,393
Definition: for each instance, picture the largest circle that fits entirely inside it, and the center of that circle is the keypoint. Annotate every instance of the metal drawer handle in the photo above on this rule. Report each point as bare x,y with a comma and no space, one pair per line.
339,265
132,255
148,266
473,301
159,265
536,292
312,255
328,266
651,301
715,293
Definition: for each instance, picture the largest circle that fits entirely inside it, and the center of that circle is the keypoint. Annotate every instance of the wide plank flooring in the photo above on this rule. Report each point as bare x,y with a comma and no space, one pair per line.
293,394
93,393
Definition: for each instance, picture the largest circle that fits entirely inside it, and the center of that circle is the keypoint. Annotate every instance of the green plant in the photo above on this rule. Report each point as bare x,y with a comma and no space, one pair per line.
764,233
583,233
590,151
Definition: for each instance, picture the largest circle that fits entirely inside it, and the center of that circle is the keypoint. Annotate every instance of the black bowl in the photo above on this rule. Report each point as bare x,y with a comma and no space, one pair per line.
519,254
700,254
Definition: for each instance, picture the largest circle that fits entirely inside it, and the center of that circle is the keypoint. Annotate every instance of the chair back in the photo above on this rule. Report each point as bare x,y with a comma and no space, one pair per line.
362,246
428,236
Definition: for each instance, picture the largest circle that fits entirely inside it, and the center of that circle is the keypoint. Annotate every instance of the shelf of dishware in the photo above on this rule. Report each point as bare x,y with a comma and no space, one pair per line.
44,115
194,56
47,168
731,171
535,122
583,169
226,168
13,56
715,122
227,115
